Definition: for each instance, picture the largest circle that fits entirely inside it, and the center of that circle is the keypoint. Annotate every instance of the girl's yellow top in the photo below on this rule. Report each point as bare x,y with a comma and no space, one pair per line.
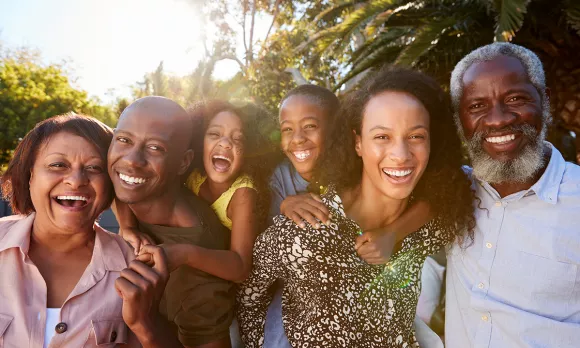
220,206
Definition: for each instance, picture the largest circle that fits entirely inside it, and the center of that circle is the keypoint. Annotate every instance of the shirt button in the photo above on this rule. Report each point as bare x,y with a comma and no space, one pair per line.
60,328
498,204
484,317
488,245
113,336
480,285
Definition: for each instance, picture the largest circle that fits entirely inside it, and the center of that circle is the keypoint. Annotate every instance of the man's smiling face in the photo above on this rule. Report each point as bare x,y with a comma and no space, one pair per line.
501,116
146,156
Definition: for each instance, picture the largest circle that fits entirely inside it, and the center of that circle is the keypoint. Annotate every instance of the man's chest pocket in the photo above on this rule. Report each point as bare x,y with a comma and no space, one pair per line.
538,285
5,321
108,333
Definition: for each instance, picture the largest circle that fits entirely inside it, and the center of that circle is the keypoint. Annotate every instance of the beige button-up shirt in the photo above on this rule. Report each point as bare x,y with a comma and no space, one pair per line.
91,315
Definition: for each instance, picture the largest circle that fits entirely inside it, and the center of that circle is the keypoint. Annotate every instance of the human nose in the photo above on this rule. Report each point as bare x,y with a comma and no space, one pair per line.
76,178
399,152
498,117
135,158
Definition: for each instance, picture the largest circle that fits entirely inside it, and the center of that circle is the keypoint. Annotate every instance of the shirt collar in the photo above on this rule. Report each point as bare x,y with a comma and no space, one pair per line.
106,252
548,187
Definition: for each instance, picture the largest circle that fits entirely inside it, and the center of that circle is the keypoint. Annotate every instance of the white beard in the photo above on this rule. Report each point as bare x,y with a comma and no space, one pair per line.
518,170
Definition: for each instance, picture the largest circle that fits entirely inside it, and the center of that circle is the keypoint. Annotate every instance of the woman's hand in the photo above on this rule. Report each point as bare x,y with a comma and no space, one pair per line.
305,207
136,238
376,246
141,286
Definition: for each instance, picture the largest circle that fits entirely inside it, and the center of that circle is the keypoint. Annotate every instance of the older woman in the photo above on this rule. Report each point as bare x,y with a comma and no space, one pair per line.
395,142
59,270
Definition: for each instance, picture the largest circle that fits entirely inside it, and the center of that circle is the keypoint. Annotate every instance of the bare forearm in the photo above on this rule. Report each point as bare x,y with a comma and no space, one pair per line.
225,264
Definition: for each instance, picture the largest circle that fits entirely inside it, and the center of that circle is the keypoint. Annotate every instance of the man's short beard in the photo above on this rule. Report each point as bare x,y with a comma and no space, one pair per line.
517,170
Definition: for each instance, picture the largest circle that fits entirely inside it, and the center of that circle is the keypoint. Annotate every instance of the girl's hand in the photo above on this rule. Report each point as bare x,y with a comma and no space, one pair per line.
376,246
306,206
136,238
176,255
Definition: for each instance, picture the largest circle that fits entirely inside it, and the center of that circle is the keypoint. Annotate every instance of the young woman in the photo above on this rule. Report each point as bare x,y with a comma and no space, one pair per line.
395,142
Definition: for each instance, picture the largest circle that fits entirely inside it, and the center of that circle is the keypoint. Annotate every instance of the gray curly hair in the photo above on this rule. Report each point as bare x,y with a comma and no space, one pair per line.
532,65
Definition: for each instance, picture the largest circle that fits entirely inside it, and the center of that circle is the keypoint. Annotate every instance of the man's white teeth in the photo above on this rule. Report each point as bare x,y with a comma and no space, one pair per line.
72,198
302,155
398,172
131,180
502,139
222,157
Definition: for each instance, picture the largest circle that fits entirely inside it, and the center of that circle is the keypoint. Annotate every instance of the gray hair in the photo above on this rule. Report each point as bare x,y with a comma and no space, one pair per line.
530,61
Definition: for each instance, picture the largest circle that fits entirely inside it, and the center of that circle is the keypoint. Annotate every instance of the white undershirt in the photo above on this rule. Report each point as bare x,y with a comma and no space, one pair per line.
52,319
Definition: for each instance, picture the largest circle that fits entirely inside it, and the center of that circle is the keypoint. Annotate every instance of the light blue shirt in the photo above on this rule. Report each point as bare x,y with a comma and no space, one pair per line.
518,284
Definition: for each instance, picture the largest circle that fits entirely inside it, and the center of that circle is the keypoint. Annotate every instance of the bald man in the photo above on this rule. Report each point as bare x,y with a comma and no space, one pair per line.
147,161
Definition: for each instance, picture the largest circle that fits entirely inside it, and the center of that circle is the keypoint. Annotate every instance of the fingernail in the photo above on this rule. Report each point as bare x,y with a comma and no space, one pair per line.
301,225
327,223
317,226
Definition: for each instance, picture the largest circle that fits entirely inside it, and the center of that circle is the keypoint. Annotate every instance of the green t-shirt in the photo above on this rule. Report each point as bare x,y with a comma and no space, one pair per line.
199,304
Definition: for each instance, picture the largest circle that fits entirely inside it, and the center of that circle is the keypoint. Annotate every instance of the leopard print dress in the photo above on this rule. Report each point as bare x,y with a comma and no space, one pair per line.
331,297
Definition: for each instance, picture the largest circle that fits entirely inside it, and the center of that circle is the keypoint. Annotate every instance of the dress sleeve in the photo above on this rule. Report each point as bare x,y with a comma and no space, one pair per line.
254,296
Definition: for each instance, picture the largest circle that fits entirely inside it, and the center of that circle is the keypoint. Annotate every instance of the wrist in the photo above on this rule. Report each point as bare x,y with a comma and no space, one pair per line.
145,331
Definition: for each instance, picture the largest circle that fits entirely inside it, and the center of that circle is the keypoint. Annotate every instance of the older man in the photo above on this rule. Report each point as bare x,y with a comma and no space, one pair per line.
516,283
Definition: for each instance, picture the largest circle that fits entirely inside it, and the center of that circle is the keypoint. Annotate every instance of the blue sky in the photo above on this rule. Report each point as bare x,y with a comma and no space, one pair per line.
111,44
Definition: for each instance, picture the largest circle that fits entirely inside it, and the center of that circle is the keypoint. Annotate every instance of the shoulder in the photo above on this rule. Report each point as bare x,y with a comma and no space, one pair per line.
115,245
9,223
243,181
283,170
571,174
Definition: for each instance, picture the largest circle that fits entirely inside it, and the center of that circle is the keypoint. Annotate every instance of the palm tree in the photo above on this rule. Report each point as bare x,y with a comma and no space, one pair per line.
432,35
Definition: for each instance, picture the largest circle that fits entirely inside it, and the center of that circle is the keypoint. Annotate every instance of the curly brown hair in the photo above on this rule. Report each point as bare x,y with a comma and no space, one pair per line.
260,151
443,185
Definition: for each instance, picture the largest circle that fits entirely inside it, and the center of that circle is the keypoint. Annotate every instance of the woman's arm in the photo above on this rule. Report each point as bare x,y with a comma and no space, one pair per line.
376,246
234,264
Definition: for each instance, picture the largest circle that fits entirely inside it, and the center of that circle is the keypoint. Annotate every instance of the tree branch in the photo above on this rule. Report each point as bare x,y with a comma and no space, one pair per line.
244,11
275,15
299,79
250,52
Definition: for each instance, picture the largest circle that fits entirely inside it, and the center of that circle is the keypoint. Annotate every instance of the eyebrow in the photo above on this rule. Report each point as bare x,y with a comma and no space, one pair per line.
313,118
64,155
390,129
118,132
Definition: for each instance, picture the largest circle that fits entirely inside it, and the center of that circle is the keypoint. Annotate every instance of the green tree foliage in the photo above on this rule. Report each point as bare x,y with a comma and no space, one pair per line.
31,92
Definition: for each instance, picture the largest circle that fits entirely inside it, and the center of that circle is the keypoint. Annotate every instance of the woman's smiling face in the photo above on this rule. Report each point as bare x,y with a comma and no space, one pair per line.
69,185
394,143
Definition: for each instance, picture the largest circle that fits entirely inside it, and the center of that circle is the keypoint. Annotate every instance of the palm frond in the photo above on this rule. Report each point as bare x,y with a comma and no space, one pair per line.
510,18
426,37
355,19
383,39
572,11
382,55
333,11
